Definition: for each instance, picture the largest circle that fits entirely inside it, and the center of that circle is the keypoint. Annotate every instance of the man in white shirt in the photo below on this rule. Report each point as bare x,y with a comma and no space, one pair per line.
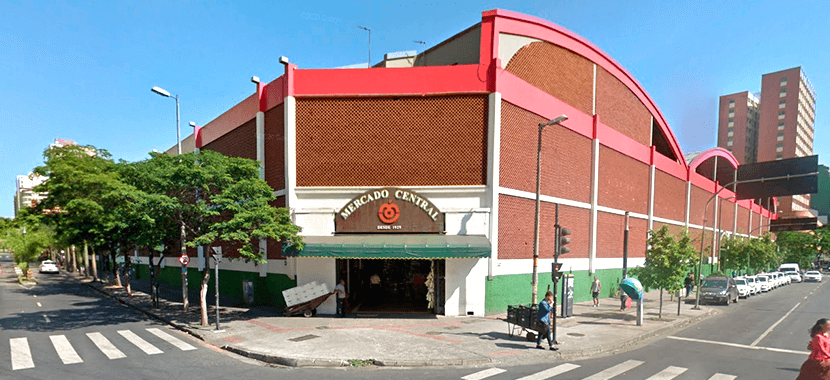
340,291
596,287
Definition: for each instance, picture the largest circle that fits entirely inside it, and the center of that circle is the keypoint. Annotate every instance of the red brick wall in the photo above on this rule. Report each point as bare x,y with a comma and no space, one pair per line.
698,204
620,109
743,220
623,182
726,213
610,233
275,148
516,217
669,197
566,156
240,142
274,246
557,71
404,141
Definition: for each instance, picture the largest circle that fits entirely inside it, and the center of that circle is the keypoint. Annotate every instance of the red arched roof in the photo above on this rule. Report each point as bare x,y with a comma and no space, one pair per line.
712,152
503,21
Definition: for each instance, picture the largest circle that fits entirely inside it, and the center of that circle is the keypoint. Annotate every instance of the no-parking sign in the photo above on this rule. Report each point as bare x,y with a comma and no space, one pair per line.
184,259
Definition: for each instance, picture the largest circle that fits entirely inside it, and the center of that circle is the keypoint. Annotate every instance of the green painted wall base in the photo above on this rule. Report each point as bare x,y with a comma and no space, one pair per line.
267,290
517,289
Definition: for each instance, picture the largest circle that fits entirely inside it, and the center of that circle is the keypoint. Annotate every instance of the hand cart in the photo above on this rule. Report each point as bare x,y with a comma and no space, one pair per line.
522,318
305,299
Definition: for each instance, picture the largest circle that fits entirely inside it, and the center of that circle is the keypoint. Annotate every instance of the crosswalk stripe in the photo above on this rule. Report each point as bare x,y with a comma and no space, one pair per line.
720,376
615,370
65,350
170,339
548,373
484,374
669,373
21,355
140,343
105,346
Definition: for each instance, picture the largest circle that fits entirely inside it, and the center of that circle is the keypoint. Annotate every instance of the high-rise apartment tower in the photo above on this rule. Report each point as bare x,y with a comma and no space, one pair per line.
783,125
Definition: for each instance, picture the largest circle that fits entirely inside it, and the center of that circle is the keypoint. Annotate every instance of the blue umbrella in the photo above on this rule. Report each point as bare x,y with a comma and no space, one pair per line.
633,288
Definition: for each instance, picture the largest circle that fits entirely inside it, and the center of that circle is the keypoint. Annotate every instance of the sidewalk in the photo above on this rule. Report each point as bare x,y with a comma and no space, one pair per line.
263,334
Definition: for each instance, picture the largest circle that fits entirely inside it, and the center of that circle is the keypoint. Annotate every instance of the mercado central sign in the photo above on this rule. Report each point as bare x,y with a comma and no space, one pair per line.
389,210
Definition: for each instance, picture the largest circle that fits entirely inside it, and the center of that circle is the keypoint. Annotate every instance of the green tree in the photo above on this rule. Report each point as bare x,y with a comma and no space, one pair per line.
217,200
27,241
801,247
78,178
668,260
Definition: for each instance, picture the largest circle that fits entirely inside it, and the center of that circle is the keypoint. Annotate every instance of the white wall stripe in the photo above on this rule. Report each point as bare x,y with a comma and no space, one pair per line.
484,374
148,348
170,339
106,347
615,370
21,355
548,373
668,373
65,350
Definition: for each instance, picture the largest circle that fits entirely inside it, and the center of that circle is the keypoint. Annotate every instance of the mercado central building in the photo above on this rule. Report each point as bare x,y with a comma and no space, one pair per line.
420,173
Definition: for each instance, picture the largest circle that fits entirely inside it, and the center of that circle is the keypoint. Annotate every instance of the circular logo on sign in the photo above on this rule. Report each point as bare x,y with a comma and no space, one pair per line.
389,213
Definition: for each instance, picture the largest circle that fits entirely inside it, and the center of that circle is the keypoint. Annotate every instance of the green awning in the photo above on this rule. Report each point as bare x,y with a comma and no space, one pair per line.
393,246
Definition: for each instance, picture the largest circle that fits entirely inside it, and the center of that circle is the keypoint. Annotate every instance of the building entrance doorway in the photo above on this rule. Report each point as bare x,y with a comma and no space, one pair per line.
393,286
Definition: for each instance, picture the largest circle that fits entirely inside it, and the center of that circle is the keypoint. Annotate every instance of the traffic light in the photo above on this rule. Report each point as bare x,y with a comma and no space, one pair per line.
555,271
562,240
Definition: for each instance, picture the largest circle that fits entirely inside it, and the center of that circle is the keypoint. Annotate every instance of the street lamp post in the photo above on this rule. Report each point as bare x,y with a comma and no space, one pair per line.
538,195
163,92
369,66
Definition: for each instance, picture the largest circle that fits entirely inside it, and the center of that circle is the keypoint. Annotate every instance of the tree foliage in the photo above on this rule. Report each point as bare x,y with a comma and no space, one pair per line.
27,239
750,255
803,248
668,260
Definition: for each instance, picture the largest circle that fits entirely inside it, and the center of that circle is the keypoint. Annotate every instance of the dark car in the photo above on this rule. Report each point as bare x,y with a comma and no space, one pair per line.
719,289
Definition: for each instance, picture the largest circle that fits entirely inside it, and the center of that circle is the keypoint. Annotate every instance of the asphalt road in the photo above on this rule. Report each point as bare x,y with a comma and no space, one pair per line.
62,324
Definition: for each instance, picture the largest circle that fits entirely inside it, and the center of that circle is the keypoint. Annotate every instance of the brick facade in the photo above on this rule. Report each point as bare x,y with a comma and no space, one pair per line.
620,109
516,226
557,71
392,141
566,156
623,182
670,200
275,147
240,142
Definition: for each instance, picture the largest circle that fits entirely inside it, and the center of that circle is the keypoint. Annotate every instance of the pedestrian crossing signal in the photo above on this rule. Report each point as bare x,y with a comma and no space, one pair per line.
555,271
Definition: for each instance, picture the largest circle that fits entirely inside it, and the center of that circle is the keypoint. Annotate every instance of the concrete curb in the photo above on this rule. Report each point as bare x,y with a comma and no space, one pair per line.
288,361
635,342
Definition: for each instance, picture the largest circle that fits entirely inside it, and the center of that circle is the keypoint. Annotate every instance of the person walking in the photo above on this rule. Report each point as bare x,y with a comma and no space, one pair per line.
596,288
340,290
817,365
543,321
690,283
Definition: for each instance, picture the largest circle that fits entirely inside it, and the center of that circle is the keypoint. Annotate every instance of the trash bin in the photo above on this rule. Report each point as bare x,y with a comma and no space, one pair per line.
248,292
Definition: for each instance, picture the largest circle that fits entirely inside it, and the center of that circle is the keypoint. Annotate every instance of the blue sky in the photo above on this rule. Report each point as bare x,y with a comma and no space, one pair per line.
82,70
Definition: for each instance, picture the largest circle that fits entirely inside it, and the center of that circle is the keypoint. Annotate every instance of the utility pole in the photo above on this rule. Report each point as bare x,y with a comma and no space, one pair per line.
370,44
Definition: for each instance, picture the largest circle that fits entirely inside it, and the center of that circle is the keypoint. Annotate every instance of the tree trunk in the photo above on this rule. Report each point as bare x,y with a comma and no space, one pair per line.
127,267
94,265
660,312
203,289
152,270
86,260
114,263
71,260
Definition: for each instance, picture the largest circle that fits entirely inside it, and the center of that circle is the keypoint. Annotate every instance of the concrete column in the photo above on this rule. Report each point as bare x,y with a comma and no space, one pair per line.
290,141
749,225
592,243
260,156
688,202
493,162
735,214
715,216
651,179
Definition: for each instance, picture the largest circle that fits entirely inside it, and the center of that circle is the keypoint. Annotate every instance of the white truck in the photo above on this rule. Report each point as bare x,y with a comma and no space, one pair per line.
792,270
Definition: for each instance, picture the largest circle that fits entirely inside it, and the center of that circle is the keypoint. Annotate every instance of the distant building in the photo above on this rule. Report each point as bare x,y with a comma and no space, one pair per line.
777,125
24,195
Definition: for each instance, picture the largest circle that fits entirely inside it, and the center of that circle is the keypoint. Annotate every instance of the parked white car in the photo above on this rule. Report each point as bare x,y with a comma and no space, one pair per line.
754,285
787,279
764,281
812,275
794,276
49,266
744,289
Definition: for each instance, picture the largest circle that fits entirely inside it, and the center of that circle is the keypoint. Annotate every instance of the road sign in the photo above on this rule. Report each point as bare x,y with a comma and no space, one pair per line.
794,224
184,259
792,176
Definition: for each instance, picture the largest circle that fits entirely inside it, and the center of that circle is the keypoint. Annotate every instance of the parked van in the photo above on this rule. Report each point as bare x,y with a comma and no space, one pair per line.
789,267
